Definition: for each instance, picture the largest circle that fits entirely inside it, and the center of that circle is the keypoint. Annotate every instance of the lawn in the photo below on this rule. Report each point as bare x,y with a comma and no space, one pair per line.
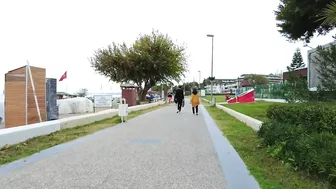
256,110
219,98
269,172
37,144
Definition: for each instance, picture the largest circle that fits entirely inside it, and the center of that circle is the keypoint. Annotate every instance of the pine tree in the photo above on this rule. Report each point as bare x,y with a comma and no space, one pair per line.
297,61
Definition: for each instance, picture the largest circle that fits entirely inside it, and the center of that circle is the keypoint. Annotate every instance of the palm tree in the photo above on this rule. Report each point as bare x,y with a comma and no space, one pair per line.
328,14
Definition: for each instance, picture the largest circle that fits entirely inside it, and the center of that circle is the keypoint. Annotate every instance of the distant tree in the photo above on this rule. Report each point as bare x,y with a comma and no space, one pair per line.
164,86
297,61
326,61
152,59
295,89
300,19
82,92
206,82
256,79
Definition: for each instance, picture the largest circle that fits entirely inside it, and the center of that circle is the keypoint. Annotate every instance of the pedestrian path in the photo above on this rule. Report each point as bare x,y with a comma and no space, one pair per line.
157,150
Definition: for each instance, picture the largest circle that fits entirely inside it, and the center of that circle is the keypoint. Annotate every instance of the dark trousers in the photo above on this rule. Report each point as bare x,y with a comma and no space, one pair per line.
193,109
179,104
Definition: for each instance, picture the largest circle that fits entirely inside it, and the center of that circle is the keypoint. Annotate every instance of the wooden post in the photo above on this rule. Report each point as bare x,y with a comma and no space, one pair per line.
35,97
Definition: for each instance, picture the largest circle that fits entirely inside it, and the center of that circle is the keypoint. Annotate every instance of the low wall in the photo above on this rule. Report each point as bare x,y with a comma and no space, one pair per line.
22,133
271,100
249,121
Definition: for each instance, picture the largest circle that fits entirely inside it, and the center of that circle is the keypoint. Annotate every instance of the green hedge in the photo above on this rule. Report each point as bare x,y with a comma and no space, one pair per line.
314,116
313,152
304,136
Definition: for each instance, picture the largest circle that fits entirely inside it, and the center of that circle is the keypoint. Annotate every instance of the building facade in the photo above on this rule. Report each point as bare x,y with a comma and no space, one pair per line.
229,86
299,72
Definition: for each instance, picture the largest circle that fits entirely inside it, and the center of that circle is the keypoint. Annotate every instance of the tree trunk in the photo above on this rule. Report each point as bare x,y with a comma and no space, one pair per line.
165,93
142,93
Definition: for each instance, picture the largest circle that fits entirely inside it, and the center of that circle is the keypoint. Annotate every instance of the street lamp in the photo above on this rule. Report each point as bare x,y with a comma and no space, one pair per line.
212,38
199,79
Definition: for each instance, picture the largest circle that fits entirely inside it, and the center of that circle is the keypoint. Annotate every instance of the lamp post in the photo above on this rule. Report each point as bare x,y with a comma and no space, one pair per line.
212,38
199,79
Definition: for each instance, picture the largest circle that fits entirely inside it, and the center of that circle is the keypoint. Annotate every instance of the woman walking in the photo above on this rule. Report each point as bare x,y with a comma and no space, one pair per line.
170,97
195,101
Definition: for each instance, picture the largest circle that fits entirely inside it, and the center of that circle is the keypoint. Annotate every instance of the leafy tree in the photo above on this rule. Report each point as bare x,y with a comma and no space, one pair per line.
82,92
256,79
297,61
300,19
152,59
165,86
328,14
206,82
159,87
326,61
296,89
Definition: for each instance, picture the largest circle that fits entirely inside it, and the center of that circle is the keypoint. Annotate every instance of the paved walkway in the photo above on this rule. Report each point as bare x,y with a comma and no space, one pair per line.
157,150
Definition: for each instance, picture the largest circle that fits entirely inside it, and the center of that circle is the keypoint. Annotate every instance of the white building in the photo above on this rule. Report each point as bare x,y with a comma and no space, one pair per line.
221,86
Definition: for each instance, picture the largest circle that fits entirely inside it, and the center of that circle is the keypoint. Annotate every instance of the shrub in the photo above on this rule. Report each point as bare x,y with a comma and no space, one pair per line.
303,135
317,153
312,152
319,117
274,132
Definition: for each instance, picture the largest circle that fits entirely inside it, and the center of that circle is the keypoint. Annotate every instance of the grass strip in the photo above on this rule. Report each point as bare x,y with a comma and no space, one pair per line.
270,173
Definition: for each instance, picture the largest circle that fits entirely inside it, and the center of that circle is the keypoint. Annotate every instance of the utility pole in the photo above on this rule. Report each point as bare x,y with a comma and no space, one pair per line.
212,51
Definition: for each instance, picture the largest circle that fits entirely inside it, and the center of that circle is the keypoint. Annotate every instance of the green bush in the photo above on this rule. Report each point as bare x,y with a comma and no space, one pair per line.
304,136
319,117
274,132
317,153
311,152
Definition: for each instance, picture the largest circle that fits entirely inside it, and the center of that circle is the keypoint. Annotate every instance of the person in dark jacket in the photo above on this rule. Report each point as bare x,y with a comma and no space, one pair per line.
179,98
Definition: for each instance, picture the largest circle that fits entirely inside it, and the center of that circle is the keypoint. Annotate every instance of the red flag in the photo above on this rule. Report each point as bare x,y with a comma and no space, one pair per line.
64,76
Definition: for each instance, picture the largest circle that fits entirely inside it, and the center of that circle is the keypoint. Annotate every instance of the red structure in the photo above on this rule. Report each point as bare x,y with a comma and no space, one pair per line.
245,97
129,93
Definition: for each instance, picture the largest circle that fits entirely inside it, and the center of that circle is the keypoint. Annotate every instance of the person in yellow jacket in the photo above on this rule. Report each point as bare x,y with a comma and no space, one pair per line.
195,101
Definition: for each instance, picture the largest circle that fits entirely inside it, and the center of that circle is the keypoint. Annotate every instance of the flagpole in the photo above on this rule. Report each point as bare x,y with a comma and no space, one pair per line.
67,82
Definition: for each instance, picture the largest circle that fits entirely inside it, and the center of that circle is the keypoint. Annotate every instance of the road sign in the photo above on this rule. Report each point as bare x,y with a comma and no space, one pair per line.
202,93
101,101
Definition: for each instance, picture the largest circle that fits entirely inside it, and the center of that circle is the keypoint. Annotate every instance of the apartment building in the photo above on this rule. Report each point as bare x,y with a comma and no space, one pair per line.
221,86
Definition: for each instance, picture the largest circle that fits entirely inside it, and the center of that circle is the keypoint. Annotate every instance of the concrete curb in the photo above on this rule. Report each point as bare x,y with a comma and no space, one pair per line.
205,100
19,134
249,121
271,100
234,169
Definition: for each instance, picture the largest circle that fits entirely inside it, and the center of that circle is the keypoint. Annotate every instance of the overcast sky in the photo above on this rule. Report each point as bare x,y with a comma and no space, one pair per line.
61,35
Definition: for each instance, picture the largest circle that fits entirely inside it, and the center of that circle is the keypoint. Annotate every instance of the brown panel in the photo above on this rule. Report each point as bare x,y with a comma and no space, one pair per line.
14,104
15,77
15,97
